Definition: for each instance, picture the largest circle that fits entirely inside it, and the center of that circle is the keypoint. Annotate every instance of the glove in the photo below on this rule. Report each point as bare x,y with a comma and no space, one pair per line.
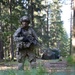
34,42
25,39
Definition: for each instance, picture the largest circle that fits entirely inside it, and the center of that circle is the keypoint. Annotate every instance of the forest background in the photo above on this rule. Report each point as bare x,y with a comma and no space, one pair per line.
45,19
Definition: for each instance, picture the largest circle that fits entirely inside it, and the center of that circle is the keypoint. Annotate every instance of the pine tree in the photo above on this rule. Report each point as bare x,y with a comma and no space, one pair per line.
58,35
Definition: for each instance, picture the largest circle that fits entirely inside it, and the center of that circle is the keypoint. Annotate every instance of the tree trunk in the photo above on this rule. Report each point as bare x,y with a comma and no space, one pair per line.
11,38
73,35
1,50
1,42
32,11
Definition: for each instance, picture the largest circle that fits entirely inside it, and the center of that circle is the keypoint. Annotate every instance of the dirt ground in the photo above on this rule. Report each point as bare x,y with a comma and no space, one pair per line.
49,65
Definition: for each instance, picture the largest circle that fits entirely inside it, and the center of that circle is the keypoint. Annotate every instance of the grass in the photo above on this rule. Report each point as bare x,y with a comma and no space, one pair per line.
38,71
11,72
71,60
64,73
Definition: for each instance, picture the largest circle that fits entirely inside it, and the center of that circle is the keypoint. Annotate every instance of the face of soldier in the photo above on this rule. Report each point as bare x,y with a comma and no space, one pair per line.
24,24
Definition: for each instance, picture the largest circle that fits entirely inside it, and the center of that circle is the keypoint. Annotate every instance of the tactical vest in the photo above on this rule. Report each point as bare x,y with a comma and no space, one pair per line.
26,33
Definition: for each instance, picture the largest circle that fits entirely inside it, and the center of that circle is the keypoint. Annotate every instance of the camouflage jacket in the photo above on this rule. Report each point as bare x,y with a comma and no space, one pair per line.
18,38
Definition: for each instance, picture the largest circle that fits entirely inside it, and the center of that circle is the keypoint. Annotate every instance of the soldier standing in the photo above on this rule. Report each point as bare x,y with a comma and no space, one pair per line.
26,39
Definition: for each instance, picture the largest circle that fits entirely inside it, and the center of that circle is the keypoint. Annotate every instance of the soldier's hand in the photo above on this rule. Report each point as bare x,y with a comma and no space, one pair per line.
25,39
20,38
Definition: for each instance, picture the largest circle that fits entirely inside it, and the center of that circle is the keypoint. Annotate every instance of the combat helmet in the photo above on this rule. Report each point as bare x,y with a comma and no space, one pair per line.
25,18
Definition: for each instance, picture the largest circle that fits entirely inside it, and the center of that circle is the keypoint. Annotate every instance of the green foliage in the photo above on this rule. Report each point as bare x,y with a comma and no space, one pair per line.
12,72
54,37
41,71
37,71
71,60
58,35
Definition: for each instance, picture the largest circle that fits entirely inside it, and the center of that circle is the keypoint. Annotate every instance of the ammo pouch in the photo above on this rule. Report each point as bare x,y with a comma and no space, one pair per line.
23,45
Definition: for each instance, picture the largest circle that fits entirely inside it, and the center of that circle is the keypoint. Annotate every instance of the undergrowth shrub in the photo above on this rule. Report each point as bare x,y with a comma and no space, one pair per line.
71,60
38,71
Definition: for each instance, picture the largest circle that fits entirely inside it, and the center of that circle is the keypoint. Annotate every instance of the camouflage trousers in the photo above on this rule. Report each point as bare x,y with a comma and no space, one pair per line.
26,53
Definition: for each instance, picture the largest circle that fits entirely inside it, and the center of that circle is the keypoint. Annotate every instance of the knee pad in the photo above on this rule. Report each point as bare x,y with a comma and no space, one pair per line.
33,64
20,66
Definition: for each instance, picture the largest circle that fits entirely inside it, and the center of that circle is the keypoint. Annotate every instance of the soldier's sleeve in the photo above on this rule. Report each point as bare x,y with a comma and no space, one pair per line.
15,35
34,34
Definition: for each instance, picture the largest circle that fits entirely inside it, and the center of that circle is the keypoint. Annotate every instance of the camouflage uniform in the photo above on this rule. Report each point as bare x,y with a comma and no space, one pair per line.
28,51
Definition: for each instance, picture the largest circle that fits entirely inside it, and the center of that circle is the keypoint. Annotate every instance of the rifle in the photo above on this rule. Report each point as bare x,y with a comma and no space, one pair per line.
30,39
